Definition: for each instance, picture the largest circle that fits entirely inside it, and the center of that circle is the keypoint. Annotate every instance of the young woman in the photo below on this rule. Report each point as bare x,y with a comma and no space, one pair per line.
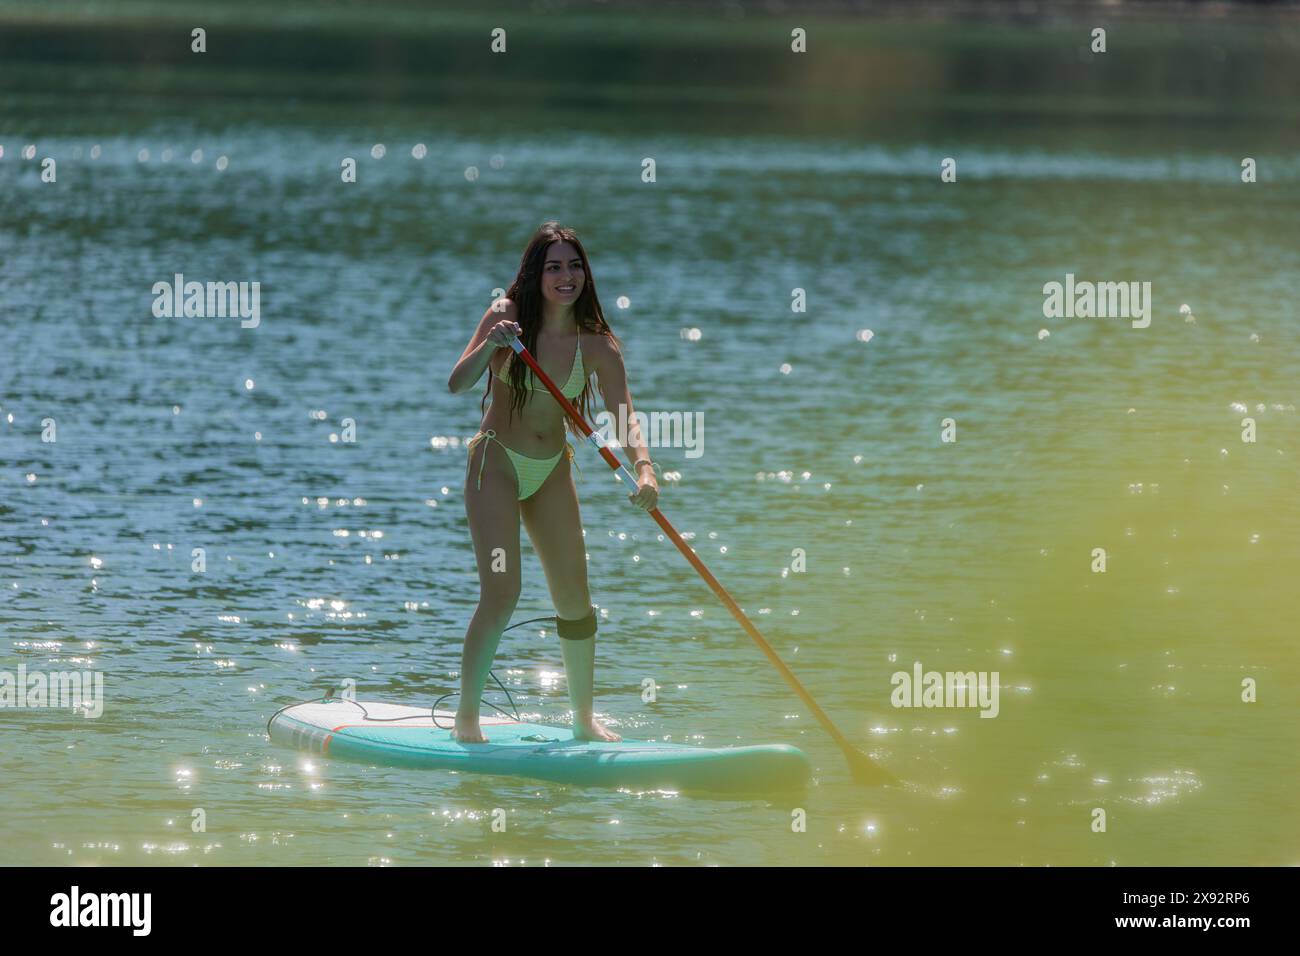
519,463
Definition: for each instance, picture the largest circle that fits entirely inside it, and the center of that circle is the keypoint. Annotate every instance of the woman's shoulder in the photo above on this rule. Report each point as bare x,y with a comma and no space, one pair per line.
597,343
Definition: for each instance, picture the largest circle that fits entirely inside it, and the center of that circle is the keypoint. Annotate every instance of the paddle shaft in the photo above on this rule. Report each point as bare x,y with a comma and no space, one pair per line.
688,552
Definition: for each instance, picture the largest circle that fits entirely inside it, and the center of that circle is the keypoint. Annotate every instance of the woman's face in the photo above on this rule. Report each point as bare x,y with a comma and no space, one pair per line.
562,274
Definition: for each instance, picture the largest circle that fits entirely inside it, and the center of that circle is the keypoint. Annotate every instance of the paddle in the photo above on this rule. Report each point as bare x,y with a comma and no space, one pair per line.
863,768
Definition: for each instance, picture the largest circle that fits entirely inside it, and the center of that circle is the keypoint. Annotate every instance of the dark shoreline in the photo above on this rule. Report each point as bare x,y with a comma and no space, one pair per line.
865,71
36,12
991,10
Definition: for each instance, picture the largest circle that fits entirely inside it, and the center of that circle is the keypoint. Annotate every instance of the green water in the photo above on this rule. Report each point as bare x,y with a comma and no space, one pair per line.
1120,690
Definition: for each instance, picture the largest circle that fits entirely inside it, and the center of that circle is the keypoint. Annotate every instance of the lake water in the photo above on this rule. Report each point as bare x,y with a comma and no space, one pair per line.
329,560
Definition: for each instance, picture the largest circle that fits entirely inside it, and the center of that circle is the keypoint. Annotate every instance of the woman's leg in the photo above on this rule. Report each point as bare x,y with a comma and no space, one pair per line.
492,507
555,528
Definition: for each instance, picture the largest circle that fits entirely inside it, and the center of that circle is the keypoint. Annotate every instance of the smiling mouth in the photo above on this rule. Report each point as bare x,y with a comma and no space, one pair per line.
564,288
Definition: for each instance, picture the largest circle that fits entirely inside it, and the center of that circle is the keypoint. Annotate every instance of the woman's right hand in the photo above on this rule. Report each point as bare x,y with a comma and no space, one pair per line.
503,332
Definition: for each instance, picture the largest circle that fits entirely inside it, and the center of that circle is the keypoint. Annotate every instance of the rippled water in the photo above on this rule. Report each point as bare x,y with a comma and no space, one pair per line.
328,560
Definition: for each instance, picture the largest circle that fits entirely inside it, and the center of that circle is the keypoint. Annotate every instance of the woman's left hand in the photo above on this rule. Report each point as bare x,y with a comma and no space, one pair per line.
647,490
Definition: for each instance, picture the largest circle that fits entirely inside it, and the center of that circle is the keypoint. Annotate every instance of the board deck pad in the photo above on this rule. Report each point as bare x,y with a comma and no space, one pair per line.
341,728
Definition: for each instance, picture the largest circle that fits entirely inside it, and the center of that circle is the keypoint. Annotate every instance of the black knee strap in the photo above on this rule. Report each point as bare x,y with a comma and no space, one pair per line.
578,630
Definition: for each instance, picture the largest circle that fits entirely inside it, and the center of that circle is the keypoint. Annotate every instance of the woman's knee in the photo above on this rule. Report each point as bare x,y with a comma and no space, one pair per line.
573,604
499,576
499,597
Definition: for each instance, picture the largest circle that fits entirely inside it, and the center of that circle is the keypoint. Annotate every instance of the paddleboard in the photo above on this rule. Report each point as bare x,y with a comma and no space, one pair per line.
402,736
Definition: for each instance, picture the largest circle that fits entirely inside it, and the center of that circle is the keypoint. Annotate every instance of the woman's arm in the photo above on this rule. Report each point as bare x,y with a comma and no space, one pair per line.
493,332
611,378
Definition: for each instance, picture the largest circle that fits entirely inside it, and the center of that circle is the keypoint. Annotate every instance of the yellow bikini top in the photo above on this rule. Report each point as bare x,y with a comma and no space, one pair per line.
571,389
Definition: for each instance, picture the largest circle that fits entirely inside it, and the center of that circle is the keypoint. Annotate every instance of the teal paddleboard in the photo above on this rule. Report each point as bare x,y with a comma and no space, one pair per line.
401,736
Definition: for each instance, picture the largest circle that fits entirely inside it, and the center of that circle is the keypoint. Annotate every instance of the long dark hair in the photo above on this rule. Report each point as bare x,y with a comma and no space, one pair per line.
526,293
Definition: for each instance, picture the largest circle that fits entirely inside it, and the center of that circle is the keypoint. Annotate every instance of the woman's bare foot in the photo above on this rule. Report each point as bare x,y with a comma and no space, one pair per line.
593,729
468,732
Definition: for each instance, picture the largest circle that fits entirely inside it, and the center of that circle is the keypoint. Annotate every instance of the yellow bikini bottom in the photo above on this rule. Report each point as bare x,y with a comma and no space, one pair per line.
530,472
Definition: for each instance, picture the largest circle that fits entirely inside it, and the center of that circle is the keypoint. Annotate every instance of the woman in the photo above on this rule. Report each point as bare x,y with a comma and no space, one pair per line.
515,469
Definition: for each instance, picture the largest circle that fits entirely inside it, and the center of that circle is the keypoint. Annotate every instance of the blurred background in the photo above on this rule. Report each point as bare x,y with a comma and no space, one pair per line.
775,170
